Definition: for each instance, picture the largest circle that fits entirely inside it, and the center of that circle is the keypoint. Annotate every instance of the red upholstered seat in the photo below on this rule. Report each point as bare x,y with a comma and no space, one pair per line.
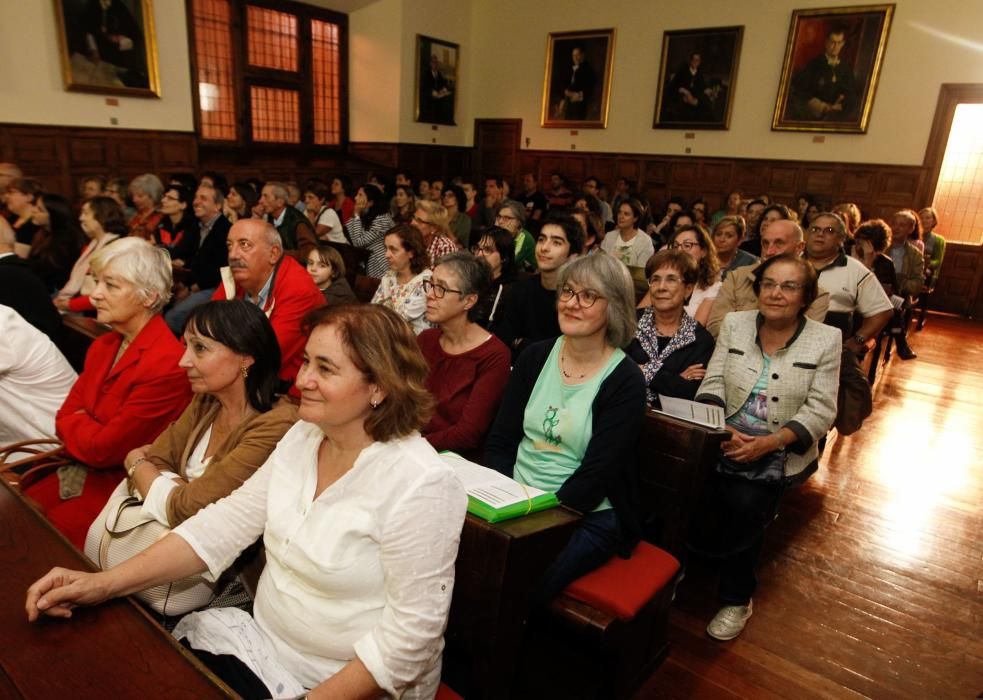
445,693
621,587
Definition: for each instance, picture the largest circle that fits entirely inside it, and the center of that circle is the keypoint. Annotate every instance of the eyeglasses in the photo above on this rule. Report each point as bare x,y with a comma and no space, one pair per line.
585,297
418,220
484,250
668,280
438,290
785,287
825,230
685,245
505,217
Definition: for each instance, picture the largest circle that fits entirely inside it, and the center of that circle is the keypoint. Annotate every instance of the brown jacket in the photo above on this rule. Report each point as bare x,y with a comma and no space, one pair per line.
737,294
243,452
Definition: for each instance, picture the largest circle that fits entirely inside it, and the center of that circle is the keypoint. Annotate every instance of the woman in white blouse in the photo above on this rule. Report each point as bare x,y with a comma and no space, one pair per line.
401,289
361,520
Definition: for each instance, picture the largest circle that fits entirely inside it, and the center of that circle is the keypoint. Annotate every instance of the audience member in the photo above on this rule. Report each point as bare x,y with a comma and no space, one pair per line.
775,423
671,348
320,213
436,189
205,274
130,389
102,221
534,202
592,186
528,311
753,213
213,179
240,202
496,248
773,212
186,180
737,291
470,193
593,228
35,378
853,289
295,230
344,205
494,196
468,366
423,190
117,189
512,217
695,241
230,427
91,186
623,189
22,290
433,223
20,198
295,197
699,211
57,243
850,213
455,201
626,242
368,226
572,415
274,282
178,232
327,270
934,255
145,191
559,195
404,178
401,288
371,564
871,241
732,207
728,233
8,173
403,205
909,268
802,204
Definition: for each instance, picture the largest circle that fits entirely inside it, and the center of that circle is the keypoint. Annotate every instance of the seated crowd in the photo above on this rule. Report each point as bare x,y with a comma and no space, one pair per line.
297,356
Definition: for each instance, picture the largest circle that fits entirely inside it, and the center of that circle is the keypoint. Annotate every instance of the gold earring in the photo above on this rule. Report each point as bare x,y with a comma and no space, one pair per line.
244,370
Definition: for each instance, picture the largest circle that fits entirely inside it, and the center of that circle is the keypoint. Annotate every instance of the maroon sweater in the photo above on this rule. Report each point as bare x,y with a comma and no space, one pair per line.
467,387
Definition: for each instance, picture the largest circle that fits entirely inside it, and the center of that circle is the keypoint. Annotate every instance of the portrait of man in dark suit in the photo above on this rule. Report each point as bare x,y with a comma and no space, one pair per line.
436,81
576,85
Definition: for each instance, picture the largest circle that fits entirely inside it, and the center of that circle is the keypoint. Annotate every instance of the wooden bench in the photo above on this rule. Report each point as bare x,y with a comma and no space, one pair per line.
601,654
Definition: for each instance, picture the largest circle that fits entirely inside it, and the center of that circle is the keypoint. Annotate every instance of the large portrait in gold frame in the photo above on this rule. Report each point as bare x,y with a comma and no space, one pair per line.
577,84
832,63
108,46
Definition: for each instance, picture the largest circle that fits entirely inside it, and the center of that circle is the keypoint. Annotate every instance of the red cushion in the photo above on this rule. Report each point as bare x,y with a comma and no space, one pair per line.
445,693
622,586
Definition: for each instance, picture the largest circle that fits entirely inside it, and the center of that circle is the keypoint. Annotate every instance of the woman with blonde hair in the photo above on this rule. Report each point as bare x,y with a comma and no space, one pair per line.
433,222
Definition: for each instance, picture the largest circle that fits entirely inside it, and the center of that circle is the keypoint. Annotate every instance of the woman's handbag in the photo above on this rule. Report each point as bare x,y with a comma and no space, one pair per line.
24,462
120,532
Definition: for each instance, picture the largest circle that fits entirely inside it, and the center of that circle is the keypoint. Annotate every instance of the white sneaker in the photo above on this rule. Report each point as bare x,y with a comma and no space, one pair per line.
729,621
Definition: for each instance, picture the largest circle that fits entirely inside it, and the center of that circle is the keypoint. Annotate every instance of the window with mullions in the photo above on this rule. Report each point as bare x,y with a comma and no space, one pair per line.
269,73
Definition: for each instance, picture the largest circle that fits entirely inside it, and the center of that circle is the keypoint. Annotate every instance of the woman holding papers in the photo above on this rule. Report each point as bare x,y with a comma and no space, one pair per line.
468,365
361,519
572,415
775,373
671,348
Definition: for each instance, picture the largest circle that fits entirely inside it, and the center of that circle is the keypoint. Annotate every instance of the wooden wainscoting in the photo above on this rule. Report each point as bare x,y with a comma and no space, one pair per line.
421,160
59,156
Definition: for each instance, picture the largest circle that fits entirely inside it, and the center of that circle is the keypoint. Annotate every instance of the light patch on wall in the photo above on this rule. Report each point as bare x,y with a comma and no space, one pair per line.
949,37
959,194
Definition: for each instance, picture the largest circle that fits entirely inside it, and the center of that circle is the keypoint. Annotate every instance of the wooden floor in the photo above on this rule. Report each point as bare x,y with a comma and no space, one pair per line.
871,584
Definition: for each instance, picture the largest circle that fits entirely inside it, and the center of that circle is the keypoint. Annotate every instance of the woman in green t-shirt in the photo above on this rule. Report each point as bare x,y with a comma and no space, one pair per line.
572,415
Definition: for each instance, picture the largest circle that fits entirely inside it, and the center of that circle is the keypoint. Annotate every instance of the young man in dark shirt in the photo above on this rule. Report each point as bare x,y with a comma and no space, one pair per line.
534,202
529,310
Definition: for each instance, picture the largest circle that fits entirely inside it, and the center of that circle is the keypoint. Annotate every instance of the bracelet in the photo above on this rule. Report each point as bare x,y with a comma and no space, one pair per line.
136,463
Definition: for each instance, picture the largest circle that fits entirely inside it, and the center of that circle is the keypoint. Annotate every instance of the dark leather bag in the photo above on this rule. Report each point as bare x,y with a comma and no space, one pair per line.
42,456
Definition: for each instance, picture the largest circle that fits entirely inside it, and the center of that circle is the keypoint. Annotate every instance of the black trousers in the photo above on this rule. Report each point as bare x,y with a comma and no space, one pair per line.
233,672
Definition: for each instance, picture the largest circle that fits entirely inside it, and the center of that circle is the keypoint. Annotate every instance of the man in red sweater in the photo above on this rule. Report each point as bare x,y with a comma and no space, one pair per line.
263,275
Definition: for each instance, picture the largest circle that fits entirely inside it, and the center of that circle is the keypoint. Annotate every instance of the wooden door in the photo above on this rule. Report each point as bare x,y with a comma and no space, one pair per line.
496,145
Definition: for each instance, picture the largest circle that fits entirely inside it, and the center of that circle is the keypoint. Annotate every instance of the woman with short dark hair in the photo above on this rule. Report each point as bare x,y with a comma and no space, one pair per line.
58,243
178,232
468,365
361,520
240,201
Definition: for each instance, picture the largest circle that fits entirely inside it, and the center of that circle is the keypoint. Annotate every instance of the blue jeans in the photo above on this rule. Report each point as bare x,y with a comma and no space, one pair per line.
178,315
592,544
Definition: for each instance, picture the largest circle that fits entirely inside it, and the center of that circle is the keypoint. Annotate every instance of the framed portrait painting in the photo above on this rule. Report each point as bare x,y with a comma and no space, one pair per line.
108,46
832,63
577,85
436,80
697,78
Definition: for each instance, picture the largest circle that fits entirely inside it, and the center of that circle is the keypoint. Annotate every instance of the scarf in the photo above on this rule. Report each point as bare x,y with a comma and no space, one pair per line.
685,335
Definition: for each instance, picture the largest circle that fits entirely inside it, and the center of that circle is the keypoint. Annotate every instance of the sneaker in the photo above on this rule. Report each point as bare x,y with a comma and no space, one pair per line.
729,621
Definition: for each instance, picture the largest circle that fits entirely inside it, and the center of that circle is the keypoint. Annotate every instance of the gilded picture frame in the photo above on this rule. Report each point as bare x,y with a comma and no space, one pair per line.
109,49
698,78
577,81
437,64
833,60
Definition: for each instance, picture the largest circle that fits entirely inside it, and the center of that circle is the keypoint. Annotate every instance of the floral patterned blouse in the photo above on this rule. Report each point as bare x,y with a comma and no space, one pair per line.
408,300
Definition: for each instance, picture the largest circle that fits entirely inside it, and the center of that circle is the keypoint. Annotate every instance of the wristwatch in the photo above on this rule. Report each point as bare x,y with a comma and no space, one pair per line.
860,339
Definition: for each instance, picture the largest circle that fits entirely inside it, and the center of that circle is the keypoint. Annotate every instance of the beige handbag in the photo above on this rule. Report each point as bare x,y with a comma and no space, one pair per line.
120,532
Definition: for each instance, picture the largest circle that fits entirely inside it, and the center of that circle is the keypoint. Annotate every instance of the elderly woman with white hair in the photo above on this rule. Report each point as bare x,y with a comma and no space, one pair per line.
130,389
572,415
146,192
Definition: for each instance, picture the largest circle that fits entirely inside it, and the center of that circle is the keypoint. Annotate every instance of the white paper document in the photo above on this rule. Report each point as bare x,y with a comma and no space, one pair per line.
702,413
488,485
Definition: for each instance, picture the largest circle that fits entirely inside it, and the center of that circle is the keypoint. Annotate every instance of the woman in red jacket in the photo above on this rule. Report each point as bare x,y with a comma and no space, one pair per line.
130,389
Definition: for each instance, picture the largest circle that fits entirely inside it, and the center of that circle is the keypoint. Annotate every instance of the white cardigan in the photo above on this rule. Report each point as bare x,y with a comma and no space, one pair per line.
367,568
